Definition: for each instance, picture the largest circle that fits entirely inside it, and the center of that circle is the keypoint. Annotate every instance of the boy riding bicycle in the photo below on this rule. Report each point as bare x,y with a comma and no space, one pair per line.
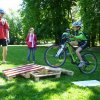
80,38
55,55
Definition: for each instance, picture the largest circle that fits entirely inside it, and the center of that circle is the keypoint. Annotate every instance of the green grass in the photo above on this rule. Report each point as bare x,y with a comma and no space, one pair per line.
47,88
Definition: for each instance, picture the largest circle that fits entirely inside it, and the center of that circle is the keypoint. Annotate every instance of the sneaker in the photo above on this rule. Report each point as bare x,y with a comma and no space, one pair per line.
82,63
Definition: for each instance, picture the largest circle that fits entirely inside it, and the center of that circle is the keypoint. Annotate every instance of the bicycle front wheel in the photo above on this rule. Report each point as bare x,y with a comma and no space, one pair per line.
50,56
90,63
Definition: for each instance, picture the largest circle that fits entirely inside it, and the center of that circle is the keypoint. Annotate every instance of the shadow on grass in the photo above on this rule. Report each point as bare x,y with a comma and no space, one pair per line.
20,88
26,89
95,93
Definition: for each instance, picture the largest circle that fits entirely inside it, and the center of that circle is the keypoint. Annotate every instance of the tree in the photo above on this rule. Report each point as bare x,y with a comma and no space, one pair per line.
90,13
49,17
16,33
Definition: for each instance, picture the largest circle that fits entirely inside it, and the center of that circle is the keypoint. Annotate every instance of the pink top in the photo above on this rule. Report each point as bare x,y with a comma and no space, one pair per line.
31,40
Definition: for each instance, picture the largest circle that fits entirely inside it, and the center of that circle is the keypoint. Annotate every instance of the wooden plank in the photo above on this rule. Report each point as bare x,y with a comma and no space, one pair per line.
64,71
10,78
38,74
18,68
26,75
21,70
28,69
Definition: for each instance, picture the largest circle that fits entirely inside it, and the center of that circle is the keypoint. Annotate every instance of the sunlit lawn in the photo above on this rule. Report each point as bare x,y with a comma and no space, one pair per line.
47,88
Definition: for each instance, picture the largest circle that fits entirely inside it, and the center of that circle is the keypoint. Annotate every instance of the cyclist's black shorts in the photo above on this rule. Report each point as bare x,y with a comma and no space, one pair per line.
82,44
3,42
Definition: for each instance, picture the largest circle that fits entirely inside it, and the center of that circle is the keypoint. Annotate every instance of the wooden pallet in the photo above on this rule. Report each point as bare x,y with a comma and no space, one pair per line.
21,70
37,71
45,73
62,70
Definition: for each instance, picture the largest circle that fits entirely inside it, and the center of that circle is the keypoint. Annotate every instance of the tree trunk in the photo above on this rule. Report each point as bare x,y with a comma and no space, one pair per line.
58,39
99,38
93,41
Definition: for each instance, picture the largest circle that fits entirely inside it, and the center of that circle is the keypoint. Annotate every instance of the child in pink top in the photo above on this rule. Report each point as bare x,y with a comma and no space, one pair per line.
31,41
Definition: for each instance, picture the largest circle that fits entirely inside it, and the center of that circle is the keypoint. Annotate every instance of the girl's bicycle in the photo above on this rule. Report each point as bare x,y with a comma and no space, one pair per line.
55,56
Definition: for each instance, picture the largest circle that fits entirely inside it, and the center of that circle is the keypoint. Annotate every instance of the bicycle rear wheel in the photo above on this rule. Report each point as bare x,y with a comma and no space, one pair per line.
90,63
50,56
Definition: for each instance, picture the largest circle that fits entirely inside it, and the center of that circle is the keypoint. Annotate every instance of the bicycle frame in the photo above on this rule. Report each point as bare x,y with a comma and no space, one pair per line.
70,49
55,56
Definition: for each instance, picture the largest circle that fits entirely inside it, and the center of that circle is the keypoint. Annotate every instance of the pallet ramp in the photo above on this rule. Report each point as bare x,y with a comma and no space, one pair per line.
21,70
37,71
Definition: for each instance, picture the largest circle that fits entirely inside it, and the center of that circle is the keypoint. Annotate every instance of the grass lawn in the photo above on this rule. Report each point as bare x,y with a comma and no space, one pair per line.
47,88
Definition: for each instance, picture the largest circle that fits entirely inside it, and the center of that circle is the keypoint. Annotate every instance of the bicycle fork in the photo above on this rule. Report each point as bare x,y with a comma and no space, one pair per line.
60,50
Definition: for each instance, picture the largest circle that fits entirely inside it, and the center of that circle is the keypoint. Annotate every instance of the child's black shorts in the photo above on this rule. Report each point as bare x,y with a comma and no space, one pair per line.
82,44
3,42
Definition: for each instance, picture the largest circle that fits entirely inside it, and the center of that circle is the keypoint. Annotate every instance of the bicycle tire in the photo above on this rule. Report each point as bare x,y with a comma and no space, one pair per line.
90,63
51,60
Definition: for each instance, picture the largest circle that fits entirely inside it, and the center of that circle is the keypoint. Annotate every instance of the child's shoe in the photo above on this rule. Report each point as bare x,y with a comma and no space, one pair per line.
82,63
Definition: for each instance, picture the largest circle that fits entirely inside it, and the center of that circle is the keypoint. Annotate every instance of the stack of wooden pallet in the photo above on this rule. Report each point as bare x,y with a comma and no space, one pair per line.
21,70
36,71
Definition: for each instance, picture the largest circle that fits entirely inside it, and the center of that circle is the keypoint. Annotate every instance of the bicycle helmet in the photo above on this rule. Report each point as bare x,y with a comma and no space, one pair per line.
2,11
77,23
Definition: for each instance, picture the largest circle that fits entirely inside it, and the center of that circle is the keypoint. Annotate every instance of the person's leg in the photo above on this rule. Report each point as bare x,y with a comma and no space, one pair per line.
78,53
82,45
4,51
29,53
4,54
33,54
74,43
82,63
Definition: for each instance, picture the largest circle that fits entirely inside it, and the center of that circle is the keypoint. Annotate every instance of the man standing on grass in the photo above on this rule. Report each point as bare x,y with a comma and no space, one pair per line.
4,35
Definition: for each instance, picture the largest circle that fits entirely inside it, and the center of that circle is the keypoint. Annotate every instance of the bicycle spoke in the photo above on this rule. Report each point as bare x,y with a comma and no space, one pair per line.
51,57
91,63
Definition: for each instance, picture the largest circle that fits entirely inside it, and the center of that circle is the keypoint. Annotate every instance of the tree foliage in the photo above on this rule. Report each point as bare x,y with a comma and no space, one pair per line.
90,14
16,34
49,17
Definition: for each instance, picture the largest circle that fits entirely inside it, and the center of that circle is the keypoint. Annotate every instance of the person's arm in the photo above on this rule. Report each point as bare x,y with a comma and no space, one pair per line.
6,26
7,33
72,38
80,37
36,38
